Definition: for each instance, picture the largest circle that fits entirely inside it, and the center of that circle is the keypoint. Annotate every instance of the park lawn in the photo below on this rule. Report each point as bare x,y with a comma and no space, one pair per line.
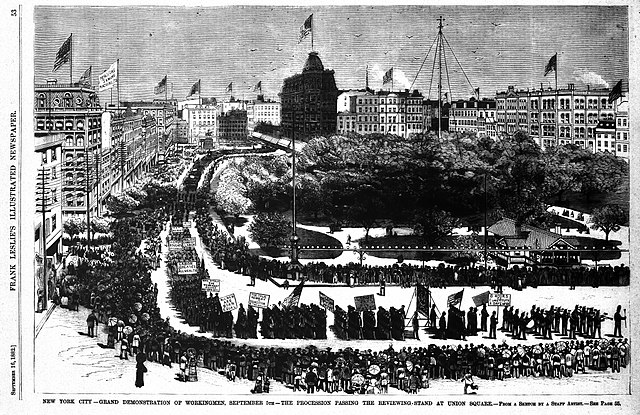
308,238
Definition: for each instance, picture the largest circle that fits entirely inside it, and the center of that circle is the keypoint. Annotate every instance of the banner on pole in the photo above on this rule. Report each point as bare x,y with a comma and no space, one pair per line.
365,302
187,267
422,300
212,286
496,299
175,245
228,303
258,300
188,242
326,302
108,78
480,299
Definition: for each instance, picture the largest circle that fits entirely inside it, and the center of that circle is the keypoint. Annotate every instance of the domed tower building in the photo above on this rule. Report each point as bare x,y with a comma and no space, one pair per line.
309,101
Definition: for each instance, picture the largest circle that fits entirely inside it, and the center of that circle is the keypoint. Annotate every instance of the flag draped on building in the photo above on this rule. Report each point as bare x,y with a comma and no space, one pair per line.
108,78
306,28
63,55
552,65
455,299
229,87
388,77
422,300
616,92
85,79
258,86
294,297
161,87
195,89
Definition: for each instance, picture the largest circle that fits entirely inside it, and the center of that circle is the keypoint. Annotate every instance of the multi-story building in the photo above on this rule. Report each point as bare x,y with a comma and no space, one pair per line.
73,110
552,117
344,102
233,104
346,122
477,117
622,129
166,115
309,101
430,115
202,120
232,128
385,112
261,111
48,218
606,136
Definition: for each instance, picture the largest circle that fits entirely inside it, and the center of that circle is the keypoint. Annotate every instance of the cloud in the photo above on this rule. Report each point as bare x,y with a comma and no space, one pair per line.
590,78
400,80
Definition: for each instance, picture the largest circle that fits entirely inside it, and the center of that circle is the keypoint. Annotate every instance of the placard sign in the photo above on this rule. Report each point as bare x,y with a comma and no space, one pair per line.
189,242
175,245
326,301
187,267
186,224
212,286
176,231
228,302
496,299
258,300
365,302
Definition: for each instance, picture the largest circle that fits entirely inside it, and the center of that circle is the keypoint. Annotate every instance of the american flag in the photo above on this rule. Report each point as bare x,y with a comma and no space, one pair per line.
306,28
294,297
388,77
455,298
63,54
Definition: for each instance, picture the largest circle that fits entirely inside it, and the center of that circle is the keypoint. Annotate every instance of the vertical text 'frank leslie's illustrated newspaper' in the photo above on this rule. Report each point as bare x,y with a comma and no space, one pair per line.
329,208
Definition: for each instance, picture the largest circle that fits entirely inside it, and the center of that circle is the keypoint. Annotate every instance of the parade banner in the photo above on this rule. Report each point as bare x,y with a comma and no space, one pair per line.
186,225
496,299
176,231
326,302
189,242
212,286
422,300
175,245
108,78
228,303
480,299
365,302
258,300
187,267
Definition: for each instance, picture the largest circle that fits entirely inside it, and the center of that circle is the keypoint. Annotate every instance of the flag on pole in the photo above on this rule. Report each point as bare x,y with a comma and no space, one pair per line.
616,92
422,300
306,28
258,86
161,87
85,79
294,297
551,65
388,77
63,55
108,78
480,299
195,89
455,298
229,87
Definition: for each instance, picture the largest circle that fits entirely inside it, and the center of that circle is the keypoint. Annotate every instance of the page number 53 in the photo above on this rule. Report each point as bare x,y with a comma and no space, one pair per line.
14,12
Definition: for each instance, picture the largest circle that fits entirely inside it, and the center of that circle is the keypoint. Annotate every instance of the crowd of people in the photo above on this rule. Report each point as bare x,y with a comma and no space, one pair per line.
407,369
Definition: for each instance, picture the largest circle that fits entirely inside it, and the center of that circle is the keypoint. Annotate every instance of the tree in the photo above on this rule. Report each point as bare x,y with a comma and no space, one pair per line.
270,229
608,218
603,173
120,204
434,223
74,225
231,193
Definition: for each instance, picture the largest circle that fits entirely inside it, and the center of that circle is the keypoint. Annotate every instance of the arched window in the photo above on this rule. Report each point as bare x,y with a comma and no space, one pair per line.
70,201
67,100
41,101
80,199
80,140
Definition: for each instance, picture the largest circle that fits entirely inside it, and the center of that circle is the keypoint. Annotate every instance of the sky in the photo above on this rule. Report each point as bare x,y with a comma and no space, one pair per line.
495,46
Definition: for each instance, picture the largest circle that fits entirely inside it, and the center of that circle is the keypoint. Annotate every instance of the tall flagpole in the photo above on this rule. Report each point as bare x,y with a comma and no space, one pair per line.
199,92
118,80
312,33
71,60
556,103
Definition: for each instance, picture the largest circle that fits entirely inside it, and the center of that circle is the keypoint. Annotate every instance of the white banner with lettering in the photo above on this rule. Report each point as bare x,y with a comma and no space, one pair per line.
108,78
